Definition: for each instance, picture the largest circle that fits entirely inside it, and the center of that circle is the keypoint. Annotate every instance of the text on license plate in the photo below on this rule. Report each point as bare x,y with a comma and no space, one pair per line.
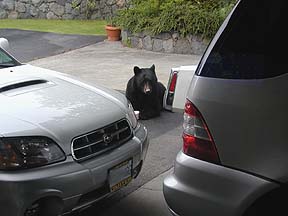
120,175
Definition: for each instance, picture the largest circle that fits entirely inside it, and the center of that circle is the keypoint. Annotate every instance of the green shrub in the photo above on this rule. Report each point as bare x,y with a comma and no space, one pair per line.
196,17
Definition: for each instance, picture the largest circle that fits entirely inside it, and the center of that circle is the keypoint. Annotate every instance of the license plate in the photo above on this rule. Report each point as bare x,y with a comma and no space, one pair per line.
120,175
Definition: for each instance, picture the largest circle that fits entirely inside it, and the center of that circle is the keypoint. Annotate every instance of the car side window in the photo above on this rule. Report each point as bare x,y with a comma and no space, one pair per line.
5,58
246,48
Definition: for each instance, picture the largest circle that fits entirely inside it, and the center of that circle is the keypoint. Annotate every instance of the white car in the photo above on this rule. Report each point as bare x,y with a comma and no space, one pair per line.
177,87
234,159
64,144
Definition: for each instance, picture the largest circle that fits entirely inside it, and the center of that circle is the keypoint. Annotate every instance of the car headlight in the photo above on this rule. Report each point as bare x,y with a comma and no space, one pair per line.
27,152
132,116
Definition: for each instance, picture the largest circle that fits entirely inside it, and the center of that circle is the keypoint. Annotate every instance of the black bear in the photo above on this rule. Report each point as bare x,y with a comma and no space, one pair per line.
145,92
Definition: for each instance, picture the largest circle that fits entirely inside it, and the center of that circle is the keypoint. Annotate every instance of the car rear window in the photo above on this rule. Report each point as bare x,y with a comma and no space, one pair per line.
250,45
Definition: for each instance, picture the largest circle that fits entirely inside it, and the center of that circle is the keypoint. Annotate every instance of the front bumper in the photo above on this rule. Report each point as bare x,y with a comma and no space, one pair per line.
200,188
75,184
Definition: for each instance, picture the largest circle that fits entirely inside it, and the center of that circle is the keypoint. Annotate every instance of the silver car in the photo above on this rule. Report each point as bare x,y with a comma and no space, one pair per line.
64,144
234,159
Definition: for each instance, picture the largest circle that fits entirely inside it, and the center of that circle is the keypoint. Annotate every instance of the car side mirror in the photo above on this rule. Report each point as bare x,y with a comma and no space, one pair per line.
4,44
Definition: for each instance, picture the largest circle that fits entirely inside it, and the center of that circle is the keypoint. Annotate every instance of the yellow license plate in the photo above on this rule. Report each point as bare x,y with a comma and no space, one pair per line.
120,175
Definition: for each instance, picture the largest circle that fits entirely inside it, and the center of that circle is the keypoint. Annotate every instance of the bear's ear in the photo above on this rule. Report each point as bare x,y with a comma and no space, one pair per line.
137,70
152,68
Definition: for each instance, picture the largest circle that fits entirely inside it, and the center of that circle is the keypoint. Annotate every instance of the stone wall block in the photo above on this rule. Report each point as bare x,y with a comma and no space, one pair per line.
57,9
51,15
134,42
175,36
8,5
20,7
13,15
198,47
168,46
3,14
96,15
42,15
34,11
107,11
140,44
82,16
124,36
182,46
102,3
163,36
68,8
157,45
190,38
67,16
120,3
25,15
140,34
61,2
75,12
110,2
114,9
36,2
147,43
43,8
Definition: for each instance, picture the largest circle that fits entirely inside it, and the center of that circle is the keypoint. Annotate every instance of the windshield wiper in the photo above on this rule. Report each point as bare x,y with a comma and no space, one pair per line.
7,65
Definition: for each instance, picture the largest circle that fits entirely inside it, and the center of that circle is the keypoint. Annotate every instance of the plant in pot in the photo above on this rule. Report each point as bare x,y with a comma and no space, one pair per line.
112,30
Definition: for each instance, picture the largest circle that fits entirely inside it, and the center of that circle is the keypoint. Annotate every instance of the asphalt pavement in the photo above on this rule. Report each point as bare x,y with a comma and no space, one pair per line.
30,45
111,64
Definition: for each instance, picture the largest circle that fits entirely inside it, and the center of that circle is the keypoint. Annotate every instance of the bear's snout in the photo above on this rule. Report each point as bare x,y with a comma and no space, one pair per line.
147,88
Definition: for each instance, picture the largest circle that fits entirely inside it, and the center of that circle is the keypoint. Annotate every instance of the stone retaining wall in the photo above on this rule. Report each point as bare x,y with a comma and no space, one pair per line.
165,42
59,9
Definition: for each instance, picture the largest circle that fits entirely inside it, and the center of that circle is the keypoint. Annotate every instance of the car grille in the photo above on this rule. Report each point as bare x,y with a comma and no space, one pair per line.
101,140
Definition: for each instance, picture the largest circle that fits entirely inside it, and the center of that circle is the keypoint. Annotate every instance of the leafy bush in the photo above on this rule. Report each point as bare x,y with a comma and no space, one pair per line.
196,17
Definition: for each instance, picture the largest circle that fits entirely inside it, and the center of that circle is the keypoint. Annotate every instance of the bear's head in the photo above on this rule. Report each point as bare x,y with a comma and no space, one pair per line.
145,79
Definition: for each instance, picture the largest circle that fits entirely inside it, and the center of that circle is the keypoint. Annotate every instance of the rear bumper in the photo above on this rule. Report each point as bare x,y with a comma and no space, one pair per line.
200,188
75,184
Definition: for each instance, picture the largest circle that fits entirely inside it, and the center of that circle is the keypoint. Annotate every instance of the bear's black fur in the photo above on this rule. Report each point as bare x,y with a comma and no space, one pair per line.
145,92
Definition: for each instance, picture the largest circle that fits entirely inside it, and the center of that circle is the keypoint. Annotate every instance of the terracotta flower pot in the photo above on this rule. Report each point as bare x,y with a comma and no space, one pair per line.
113,33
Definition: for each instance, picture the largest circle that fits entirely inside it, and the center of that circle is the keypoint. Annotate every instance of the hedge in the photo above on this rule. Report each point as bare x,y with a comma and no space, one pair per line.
196,17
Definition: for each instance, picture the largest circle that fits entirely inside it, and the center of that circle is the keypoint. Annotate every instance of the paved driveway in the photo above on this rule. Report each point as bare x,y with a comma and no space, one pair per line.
30,45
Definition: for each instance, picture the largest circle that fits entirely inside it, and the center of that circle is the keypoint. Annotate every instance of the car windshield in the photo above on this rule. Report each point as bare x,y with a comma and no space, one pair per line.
6,60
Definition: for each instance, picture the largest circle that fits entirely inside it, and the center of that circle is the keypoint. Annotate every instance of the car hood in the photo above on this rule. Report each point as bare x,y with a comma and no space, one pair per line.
41,102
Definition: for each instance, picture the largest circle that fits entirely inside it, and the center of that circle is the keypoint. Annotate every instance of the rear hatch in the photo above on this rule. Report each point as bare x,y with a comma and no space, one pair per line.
241,89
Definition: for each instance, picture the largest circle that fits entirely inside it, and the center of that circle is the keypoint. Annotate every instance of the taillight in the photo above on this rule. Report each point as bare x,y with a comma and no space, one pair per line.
197,140
173,82
171,88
